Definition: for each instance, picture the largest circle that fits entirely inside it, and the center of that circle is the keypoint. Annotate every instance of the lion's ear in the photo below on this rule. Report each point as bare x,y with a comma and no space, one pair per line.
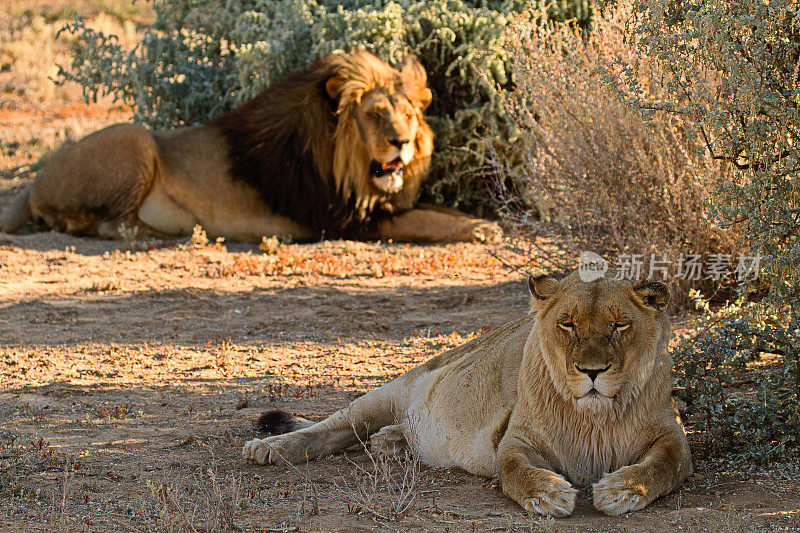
653,293
425,98
415,83
334,87
542,287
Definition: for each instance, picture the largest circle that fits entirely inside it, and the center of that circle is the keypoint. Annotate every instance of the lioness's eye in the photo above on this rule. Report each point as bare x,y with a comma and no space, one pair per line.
621,326
566,326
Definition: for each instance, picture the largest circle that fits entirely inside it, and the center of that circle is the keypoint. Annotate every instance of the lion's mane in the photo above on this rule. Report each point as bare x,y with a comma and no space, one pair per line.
300,148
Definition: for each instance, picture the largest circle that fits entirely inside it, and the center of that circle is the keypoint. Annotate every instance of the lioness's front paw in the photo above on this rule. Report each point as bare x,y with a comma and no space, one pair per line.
556,499
619,492
276,449
257,451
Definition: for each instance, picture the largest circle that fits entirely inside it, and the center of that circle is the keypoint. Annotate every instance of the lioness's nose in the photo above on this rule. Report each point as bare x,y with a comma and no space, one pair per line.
399,142
592,372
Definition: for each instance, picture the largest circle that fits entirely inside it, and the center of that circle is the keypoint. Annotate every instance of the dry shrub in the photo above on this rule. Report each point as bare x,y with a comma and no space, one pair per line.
596,172
23,459
201,500
39,114
387,488
30,52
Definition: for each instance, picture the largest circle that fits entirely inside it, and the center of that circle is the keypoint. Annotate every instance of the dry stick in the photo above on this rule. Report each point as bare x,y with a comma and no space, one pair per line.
306,478
361,501
174,502
509,266
308,483
363,504
63,498
125,525
545,257
402,492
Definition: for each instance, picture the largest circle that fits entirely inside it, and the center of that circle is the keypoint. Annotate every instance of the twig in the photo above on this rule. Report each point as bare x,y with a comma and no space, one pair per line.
63,497
509,266
125,525
178,508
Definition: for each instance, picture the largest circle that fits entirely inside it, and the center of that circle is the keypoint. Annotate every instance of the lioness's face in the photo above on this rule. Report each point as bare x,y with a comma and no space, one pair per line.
388,124
600,339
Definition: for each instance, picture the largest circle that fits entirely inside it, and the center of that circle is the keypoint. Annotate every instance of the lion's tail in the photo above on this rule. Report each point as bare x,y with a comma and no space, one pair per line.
18,213
276,422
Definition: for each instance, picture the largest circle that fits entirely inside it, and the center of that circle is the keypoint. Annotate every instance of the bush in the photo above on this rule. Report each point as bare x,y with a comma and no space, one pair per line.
731,68
738,377
203,57
692,145
590,169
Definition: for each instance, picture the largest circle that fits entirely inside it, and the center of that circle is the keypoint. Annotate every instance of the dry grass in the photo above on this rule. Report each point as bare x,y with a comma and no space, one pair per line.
157,380
387,488
138,428
36,114
30,53
205,500
599,174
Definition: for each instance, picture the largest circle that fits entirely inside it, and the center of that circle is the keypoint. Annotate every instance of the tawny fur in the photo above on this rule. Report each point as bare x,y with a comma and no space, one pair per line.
294,162
517,404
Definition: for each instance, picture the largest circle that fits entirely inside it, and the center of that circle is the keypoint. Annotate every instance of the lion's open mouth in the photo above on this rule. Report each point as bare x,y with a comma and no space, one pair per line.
380,170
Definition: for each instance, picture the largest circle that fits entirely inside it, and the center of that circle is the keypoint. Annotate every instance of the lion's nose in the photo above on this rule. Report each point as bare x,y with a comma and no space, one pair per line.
399,142
592,372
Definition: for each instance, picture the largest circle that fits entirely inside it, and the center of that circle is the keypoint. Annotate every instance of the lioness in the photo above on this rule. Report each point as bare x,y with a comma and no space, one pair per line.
576,391
338,150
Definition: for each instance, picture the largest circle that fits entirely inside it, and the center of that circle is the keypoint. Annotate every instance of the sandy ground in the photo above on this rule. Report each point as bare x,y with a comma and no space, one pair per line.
129,381
130,374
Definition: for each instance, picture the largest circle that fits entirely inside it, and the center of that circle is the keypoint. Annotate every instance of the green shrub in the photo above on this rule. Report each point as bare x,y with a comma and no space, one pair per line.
203,57
691,144
732,68
739,377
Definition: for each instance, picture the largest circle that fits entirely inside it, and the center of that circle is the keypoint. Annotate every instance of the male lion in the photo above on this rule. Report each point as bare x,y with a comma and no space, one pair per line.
576,391
338,150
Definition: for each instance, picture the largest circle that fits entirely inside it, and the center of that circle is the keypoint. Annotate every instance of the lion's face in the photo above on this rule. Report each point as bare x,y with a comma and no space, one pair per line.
388,124
600,339
381,128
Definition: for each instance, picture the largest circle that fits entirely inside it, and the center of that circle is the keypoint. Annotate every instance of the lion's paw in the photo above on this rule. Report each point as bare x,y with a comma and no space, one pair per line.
278,449
618,493
485,231
557,499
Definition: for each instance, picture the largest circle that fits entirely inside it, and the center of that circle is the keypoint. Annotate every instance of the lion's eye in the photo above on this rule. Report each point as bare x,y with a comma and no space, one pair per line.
621,326
567,326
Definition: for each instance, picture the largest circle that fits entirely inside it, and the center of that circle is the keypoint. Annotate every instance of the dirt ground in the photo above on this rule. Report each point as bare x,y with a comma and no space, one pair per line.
130,379
131,373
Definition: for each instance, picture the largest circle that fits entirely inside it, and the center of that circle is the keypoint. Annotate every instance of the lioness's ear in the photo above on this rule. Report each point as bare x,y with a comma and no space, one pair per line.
654,294
415,83
334,87
542,287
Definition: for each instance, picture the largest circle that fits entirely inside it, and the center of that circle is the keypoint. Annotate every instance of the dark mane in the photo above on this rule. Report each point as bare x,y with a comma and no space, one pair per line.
282,143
